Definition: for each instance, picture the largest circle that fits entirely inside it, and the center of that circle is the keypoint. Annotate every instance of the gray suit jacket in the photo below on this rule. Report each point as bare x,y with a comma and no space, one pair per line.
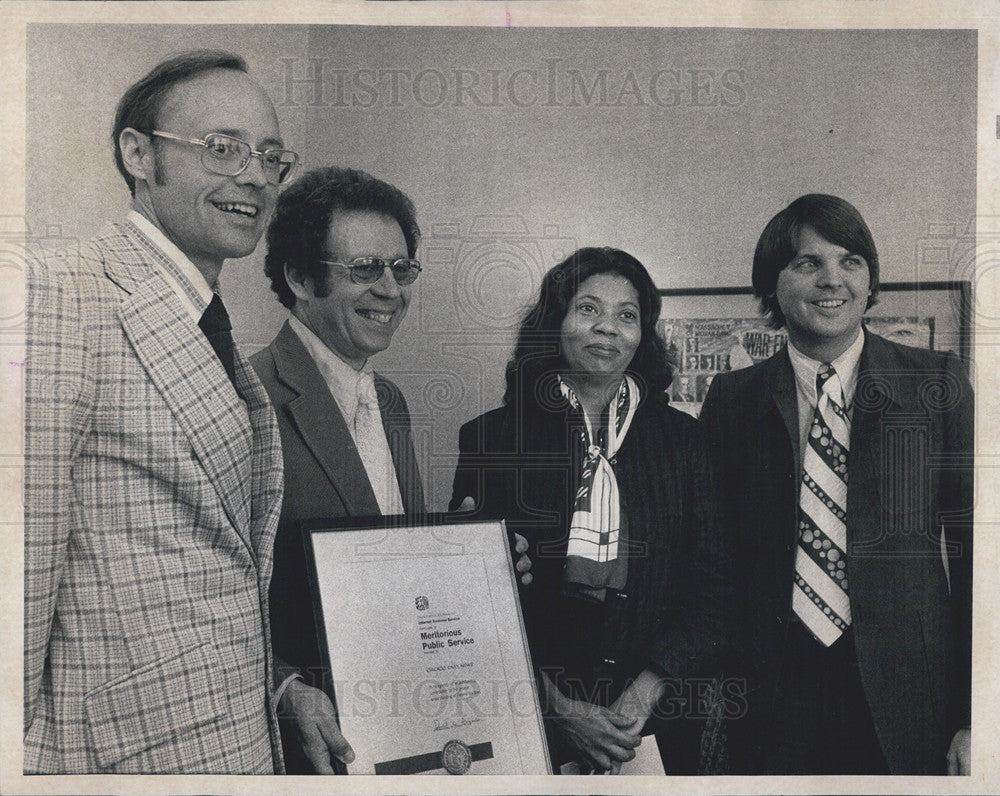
324,478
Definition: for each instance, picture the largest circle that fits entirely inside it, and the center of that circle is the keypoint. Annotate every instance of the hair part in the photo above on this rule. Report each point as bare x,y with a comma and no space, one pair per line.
834,219
537,354
296,236
140,105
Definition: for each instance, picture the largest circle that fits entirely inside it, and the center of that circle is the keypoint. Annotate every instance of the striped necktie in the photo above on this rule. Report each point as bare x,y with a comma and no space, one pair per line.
819,596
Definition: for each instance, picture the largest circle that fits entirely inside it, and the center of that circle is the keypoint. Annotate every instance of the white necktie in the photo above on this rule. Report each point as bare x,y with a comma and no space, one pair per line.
369,436
819,596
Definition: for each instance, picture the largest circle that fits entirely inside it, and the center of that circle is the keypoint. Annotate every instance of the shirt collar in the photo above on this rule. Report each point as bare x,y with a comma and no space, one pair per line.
846,365
342,379
187,281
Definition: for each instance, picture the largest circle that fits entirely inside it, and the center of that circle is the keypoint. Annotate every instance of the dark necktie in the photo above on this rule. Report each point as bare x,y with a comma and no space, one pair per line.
219,331
820,595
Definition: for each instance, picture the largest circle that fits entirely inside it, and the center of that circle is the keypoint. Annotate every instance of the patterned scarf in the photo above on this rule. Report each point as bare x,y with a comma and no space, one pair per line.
598,531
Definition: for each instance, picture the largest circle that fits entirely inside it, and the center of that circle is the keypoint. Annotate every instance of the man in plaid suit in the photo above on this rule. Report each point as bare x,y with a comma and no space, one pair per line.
153,473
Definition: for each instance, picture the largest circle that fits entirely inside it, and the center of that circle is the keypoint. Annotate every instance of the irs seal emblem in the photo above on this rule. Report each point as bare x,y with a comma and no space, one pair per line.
456,757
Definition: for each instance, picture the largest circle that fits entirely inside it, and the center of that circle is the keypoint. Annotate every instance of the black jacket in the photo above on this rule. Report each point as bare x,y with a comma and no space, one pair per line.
524,466
910,478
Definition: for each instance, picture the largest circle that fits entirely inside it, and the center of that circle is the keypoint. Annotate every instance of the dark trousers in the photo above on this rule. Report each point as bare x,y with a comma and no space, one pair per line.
821,721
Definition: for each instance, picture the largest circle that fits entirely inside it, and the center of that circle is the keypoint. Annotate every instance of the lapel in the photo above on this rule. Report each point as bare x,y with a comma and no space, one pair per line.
881,387
183,367
320,425
396,424
779,383
268,470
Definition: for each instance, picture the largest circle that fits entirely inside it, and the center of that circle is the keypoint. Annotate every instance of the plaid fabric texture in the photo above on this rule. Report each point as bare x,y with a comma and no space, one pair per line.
152,493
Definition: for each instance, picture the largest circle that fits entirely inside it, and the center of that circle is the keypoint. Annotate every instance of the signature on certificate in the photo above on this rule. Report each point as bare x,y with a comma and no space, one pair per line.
451,724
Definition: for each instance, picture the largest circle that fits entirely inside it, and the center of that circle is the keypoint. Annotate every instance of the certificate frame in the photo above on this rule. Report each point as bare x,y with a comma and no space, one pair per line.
699,326
462,698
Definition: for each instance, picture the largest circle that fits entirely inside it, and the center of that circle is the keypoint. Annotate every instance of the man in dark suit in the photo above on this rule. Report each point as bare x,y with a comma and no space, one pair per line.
684,390
854,593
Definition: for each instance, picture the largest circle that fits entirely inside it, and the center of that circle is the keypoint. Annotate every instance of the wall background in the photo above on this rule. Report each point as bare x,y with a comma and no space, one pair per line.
518,145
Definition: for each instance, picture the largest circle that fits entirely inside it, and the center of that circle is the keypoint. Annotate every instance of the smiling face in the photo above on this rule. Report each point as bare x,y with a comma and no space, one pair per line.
823,293
210,217
602,330
355,321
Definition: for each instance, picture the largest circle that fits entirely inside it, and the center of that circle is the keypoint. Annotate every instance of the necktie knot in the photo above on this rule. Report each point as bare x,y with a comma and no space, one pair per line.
215,319
367,394
823,375
827,381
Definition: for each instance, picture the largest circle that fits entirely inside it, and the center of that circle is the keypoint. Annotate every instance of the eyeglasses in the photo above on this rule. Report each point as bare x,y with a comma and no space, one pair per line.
368,270
223,154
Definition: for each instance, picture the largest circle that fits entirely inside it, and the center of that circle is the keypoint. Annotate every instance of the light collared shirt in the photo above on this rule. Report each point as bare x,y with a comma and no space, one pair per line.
186,280
345,384
805,370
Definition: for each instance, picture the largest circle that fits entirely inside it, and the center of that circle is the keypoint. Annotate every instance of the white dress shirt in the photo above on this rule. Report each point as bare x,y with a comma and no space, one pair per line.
186,280
346,385
806,368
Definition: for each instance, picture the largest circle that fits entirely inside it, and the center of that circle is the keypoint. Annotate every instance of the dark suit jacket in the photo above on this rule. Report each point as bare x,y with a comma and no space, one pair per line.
524,466
324,477
910,478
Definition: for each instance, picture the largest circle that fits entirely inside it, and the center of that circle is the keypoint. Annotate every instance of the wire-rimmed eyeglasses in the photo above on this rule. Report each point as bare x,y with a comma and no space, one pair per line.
223,154
368,270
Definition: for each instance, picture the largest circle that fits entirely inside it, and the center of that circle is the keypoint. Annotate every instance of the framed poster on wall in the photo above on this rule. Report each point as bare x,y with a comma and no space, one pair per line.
712,330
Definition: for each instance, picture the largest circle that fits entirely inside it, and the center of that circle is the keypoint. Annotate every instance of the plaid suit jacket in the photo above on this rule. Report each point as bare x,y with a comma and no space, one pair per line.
152,495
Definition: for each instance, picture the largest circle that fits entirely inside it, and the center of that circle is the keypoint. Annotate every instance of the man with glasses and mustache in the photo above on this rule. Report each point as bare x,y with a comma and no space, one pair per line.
340,256
153,474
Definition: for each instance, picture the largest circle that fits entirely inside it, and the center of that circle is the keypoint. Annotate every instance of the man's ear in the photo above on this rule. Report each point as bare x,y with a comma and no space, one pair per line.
301,286
137,154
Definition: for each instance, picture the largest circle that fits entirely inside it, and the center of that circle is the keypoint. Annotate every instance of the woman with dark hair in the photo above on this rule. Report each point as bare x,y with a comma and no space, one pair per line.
609,485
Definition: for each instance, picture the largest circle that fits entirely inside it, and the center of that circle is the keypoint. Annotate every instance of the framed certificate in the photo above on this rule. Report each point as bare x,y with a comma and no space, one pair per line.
421,627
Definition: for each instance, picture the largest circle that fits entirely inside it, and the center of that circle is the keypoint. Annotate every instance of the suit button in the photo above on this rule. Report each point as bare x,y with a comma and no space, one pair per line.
609,662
